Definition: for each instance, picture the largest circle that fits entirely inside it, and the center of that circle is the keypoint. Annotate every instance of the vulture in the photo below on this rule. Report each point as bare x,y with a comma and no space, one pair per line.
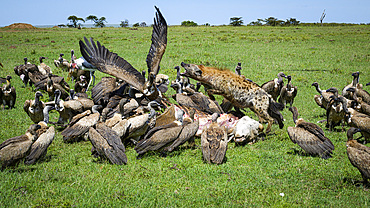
238,69
80,124
288,93
16,148
214,142
138,124
9,94
107,144
188,132
323,99
171,114
310,137
354,83
358,104
196,100
43,68
112,64
167,136
62,62
22,71
39,147
336,111
34,108
106,88
161,81
360,93
81,85
360,121
273,87
52,85
67,109
358,154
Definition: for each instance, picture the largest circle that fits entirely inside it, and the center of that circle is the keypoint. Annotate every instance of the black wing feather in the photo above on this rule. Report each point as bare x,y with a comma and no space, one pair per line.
110,63
159,43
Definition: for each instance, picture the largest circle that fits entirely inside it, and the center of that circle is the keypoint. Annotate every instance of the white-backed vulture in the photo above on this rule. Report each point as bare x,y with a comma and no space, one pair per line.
288,93
214,142
62,62
34,108
9,94
273,87
358,104
188,132
107,144
80,124
310,137
22,71
336,111
40,146
43,68
358,154
360,121
110,63
354,83
159,138
14,149
238,69
323,99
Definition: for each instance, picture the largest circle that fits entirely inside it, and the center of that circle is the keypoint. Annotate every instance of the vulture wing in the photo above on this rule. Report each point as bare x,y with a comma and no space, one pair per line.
40,146
159,43
310,142
110,63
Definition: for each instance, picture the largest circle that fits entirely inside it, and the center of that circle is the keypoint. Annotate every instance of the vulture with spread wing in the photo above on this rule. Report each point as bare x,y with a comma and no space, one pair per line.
112,64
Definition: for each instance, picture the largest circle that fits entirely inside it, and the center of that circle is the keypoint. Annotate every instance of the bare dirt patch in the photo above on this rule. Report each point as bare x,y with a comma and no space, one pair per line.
20,26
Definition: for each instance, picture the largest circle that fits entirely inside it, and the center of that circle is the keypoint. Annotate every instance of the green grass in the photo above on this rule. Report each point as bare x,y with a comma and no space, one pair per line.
253,175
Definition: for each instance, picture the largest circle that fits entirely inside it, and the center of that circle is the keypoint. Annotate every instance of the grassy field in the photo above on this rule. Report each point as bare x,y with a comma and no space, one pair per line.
274,172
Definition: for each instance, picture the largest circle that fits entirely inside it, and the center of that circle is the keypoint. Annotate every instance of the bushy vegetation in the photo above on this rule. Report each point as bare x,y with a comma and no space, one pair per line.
189,23
270,173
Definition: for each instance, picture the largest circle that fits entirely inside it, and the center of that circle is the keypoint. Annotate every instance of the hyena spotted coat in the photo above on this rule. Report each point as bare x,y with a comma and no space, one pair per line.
241,92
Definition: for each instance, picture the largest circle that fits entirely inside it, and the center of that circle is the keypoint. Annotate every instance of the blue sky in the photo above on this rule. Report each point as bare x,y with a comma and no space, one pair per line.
215,12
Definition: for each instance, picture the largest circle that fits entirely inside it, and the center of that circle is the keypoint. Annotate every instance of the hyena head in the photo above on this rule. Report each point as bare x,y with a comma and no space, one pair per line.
192,71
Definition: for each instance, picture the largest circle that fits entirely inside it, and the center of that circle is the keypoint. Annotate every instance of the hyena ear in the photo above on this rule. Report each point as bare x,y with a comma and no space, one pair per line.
198,72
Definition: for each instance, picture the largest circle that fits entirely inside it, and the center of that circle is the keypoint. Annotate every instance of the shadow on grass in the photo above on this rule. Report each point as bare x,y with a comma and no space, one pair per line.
299,152
357,183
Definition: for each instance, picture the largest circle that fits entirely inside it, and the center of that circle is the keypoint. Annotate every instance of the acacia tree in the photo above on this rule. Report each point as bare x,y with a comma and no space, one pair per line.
97,22
236,21
292,21
273,21
74,21
124,23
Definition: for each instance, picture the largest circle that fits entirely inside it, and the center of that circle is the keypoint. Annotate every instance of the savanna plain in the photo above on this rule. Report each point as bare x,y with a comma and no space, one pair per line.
270,173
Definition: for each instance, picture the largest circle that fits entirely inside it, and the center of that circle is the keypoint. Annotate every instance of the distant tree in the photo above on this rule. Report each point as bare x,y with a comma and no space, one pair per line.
189,23
207,24
97,22
124,23
143,24
136,25
74,21
62,25
322,17
291,21
272,21
236,21
256,23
